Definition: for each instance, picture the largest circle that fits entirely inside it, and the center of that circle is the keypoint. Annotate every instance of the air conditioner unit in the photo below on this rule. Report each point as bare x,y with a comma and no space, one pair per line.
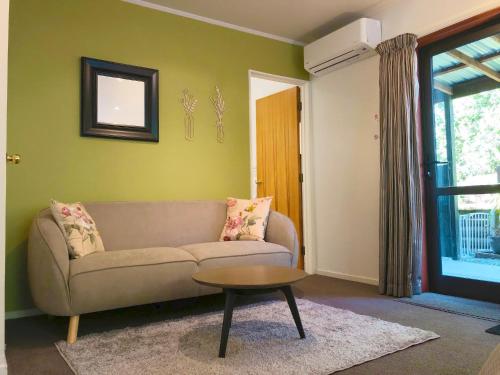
344,46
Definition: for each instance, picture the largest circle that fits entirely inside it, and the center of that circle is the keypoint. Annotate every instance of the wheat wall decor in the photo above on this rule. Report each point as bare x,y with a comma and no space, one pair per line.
189,103
219,106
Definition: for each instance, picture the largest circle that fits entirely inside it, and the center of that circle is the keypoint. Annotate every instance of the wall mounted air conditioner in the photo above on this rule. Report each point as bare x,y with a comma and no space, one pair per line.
344,46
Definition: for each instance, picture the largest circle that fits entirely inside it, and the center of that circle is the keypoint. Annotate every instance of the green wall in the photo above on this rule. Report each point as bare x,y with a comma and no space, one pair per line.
47,39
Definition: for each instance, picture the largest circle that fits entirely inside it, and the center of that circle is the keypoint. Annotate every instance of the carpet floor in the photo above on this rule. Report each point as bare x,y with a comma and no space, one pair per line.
462,348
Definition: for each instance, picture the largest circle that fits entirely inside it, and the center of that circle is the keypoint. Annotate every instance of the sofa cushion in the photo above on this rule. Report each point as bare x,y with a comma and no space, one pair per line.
134,225
236,253
232,253
112,279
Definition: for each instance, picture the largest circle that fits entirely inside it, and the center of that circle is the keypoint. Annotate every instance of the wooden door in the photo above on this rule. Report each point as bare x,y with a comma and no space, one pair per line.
278,156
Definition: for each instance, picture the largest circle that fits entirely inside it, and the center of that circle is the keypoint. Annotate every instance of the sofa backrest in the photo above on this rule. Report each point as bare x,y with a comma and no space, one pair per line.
132,225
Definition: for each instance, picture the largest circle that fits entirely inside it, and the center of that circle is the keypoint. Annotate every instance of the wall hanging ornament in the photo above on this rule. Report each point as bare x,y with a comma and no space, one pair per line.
218,102
189,103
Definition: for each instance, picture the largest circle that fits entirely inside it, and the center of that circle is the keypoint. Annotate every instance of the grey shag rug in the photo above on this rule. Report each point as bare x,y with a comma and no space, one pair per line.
263,340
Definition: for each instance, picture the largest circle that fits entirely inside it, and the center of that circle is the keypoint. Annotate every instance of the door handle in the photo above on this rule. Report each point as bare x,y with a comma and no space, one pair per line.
428,164
259,182
13,158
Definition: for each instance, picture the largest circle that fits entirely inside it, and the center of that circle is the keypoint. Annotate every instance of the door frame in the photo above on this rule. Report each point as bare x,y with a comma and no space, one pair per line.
306,165
4,44
470,288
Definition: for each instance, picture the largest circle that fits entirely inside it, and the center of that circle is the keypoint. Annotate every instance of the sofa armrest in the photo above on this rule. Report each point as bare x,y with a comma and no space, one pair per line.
48,266
281,230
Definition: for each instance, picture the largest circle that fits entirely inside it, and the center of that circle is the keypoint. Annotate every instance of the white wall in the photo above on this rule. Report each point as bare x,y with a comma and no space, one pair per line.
346,172
259,88
264,87
345,153
4,28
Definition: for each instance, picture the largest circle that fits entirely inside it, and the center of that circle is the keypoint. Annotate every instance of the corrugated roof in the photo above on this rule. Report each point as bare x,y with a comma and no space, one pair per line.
480,49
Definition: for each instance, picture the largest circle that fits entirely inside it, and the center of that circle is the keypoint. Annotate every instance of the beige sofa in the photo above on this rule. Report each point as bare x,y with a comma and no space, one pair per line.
152,249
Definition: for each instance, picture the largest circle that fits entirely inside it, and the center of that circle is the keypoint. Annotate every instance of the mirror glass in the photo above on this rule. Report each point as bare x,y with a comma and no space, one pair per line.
120,101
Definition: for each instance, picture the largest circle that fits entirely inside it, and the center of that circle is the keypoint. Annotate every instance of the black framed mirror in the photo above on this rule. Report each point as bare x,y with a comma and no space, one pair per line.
119,101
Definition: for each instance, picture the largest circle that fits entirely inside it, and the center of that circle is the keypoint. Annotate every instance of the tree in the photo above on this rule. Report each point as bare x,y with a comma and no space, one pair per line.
477,135
476,122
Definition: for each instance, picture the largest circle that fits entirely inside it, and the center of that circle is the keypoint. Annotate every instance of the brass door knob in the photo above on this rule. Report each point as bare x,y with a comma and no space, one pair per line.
14,158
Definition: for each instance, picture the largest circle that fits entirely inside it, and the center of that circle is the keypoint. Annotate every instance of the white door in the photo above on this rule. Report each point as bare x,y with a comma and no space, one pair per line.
4,41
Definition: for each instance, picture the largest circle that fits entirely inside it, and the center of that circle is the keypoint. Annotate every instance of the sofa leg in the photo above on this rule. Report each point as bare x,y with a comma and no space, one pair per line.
73,329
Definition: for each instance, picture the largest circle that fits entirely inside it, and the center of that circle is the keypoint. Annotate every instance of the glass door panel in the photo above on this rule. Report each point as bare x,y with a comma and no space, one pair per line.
467,131
461,136
468,240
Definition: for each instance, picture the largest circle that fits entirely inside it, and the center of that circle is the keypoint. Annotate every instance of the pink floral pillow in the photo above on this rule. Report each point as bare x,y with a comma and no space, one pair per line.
246,219
78,228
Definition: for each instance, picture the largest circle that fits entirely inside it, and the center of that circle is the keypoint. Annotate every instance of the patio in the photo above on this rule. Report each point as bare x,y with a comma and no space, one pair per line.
472,268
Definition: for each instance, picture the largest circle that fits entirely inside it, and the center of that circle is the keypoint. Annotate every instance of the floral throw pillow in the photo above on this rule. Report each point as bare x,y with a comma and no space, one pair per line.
78,227
246,219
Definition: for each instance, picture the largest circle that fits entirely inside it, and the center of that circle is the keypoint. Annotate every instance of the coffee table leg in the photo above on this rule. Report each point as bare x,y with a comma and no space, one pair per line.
226,324
287,291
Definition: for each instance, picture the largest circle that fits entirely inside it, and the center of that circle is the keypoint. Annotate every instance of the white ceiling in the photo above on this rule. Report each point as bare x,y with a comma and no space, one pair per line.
297,20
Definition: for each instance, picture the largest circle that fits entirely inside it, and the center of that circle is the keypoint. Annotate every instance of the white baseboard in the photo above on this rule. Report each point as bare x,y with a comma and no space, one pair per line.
22,313
345,276
3,363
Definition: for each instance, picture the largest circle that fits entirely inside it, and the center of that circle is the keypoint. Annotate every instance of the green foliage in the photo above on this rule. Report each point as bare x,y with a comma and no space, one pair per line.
477,134
476,128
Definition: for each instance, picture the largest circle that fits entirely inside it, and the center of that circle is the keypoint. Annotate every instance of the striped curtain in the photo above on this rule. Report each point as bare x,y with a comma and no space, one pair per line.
400,185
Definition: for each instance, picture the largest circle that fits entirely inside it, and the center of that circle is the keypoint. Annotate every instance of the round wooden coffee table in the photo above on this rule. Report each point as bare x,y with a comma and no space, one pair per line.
249,280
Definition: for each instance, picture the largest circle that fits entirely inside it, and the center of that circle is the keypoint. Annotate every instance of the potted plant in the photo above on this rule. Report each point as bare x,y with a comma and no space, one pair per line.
495,240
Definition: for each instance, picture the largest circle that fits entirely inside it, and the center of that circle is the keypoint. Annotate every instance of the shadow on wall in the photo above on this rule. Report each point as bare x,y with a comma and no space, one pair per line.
336,23
17,295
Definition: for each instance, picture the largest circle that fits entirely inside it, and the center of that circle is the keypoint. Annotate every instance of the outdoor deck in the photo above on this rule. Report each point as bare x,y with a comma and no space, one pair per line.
474,268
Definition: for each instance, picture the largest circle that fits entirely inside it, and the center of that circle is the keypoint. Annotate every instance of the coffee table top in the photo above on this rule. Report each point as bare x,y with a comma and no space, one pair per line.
249,277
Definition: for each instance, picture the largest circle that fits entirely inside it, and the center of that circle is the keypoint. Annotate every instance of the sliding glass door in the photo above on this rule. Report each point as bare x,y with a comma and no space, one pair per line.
460,86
